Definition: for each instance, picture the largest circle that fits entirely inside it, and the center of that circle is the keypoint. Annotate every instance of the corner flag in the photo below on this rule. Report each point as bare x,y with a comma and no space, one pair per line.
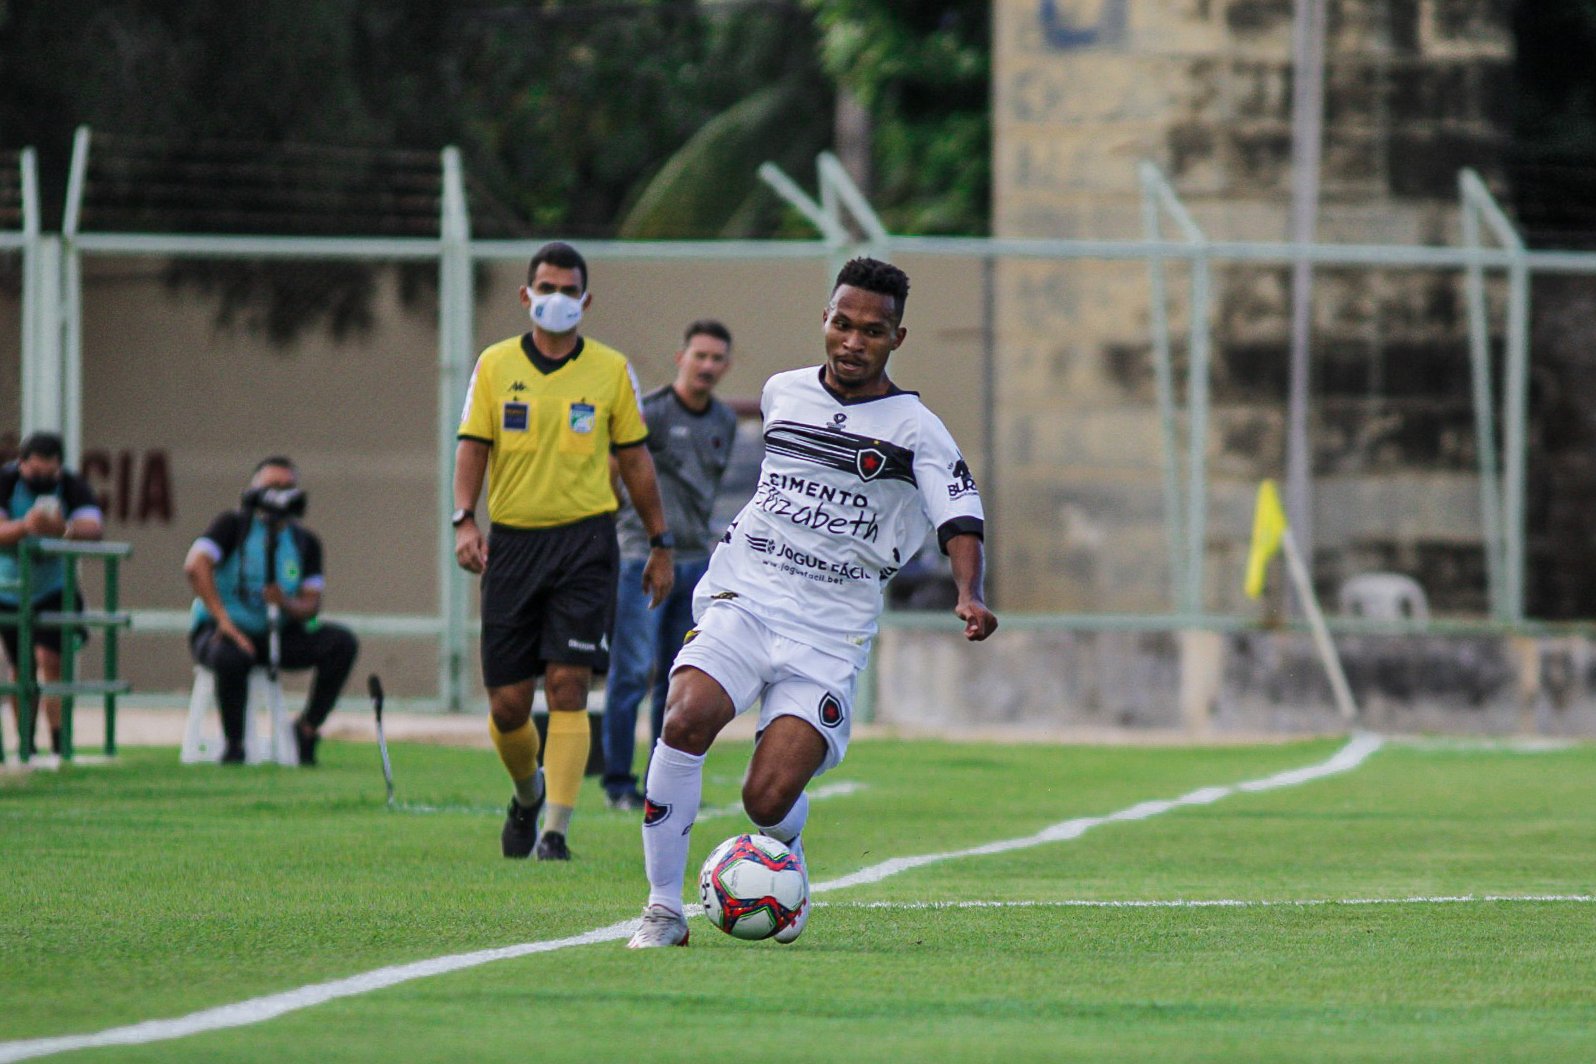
1268,526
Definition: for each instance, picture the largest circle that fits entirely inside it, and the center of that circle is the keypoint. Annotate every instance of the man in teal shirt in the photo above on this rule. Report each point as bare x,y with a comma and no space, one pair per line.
248,561
39,499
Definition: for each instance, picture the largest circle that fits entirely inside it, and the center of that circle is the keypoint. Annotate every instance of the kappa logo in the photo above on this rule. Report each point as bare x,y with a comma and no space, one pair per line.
723,596
654,813
870,462
518,386
830,711
838,419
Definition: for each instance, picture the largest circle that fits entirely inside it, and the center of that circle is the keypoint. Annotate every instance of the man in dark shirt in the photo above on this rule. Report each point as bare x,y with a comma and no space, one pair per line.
690,435
252,564
41,499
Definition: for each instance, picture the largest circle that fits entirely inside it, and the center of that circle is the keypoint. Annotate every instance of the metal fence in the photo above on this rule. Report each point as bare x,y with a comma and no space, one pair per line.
52,385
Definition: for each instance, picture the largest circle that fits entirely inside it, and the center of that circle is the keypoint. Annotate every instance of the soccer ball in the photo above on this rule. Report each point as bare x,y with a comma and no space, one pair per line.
752,887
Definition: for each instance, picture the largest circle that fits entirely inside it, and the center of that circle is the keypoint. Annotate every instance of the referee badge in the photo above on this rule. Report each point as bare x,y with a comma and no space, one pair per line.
515,417
583,416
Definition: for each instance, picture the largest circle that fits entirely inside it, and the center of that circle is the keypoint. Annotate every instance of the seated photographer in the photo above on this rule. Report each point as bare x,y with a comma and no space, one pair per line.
257,568
41,499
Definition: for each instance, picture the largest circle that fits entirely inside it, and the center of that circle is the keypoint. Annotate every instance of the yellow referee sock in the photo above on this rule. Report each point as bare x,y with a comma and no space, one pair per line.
518,749
564,763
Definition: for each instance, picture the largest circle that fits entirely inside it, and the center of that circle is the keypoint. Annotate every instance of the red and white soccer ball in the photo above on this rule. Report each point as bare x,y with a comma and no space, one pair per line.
752,887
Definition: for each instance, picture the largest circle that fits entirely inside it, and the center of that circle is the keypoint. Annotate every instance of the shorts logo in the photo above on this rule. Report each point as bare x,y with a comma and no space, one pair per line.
583,415
870,463
830,711
583,646
515,417
654,813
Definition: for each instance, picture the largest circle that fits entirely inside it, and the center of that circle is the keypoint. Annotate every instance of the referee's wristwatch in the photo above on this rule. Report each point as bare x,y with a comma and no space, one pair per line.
663,541
460,517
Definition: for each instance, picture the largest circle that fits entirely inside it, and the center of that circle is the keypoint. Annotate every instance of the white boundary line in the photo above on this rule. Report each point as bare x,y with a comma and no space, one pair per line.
257,1010
1210,903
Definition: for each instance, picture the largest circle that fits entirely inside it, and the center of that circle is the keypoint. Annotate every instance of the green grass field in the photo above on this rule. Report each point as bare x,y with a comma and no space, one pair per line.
144,891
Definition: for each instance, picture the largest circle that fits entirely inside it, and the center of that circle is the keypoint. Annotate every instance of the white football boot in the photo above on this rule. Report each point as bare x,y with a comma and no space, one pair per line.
660,927
796,928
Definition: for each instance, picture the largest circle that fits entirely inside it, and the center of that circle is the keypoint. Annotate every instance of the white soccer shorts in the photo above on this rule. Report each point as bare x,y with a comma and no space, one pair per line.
749,660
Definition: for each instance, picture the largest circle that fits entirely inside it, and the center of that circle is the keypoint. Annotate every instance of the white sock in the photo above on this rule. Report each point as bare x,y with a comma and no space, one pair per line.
674,788
790,827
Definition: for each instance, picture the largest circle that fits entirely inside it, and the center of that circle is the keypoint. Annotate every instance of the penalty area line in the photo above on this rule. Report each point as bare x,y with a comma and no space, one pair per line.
260,1009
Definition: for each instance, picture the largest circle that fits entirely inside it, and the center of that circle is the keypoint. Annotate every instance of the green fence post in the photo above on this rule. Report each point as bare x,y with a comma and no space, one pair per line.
27,679
112,603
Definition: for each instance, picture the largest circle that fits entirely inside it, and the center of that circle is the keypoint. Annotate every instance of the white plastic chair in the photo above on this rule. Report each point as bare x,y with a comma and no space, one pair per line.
202,737
1384,597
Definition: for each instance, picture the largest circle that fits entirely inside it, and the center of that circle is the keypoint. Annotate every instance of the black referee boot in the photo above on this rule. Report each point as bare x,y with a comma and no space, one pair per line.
520,833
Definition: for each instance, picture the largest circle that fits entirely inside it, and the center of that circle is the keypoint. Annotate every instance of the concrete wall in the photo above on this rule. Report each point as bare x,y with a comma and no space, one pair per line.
1059,682
178,408
1082,90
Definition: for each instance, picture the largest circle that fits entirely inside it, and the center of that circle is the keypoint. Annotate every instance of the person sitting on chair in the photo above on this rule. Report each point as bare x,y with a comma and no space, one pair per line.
257,579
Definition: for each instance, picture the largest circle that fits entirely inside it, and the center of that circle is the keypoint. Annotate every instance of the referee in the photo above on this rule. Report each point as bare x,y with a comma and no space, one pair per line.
543,413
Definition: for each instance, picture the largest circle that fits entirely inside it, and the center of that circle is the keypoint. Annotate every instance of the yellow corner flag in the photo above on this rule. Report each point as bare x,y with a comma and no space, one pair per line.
1268,525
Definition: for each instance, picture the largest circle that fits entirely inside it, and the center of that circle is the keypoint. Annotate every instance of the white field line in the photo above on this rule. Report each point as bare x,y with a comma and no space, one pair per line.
257,1010
825,790
1507,745
1211,903
1348,757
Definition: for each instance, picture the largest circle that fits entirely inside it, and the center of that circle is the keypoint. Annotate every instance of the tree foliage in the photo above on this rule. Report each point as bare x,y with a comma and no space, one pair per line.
921,69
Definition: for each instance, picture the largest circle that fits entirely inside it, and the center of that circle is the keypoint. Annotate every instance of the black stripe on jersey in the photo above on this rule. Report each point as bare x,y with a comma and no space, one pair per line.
870,459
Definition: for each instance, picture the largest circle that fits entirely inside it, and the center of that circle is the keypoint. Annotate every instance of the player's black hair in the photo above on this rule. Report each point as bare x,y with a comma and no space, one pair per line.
277,461
43,444
558,253
707,327
873,275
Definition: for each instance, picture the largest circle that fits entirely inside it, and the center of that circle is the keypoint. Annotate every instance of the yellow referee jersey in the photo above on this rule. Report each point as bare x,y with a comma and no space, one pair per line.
551,427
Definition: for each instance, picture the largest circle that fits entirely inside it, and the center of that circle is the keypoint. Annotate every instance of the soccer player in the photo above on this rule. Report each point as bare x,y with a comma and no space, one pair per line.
856,472
543,413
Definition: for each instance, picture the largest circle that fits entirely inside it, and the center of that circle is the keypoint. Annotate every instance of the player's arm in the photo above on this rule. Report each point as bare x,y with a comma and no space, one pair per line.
470,467
967,554
637,474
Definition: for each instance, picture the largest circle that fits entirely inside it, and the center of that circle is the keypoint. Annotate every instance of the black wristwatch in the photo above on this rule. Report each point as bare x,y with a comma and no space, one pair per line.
460,517
663,541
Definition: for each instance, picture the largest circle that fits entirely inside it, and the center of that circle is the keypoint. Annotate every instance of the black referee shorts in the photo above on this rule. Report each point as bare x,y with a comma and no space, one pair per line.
548,595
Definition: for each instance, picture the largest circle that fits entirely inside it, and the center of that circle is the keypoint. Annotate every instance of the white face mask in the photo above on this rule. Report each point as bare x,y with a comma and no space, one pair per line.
556,312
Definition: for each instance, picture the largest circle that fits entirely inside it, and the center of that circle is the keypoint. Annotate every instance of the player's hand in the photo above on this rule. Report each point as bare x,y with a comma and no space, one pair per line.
659,576
274,596
979,622
235,635
470,549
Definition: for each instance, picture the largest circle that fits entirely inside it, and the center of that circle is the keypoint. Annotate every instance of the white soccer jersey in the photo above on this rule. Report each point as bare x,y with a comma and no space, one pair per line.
847,492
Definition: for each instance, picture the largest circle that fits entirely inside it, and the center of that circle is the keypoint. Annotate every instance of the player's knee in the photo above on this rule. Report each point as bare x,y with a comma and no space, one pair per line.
686,730
766,802
508,711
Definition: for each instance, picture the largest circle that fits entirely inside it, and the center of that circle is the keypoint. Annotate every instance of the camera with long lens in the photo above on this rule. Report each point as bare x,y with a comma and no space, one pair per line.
276,504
